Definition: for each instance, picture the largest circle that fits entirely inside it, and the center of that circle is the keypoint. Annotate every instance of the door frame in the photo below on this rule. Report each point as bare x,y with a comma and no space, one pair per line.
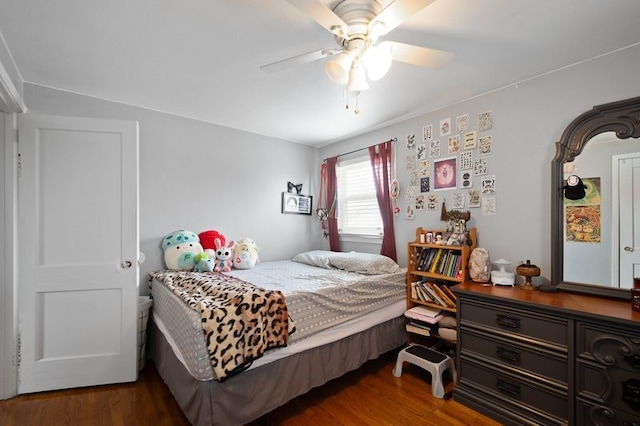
615,215
11,103
8,229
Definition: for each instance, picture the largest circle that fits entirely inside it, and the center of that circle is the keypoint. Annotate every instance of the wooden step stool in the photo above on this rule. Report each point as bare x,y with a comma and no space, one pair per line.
432,361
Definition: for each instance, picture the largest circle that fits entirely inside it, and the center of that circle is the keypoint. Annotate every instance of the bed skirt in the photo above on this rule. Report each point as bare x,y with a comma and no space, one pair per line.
253,393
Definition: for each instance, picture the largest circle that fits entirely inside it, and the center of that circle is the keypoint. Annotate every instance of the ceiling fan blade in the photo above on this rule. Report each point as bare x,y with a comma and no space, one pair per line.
396,13
419,56
299,59
324,16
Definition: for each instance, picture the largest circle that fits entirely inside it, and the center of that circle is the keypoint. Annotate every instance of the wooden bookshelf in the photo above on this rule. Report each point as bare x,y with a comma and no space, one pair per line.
432,268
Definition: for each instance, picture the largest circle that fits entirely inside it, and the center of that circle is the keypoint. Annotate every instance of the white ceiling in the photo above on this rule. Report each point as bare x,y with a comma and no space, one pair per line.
202,58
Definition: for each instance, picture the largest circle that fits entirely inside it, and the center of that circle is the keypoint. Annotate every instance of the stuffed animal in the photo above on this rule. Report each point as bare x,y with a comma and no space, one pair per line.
208,238
224,256
180,249
203,263
245,254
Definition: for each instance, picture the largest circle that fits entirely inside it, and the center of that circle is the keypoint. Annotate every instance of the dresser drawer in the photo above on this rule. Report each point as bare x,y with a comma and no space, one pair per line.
515,389
612,347
527,324
591,414
612,387
552,365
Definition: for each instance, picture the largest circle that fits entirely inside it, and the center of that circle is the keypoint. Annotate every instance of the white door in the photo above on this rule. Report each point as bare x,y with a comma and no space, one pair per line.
78,249
628,247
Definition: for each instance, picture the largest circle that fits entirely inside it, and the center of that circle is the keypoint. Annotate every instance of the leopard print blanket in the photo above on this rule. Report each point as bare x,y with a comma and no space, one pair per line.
240,321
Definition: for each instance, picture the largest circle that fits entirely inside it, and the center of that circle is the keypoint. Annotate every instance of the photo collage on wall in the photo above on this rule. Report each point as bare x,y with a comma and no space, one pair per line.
450,163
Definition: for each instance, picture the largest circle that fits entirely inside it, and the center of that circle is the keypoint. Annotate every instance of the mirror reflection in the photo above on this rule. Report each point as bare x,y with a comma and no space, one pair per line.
601,233
595,182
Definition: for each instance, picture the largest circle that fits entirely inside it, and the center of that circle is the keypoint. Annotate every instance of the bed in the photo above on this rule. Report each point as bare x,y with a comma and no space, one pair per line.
345,309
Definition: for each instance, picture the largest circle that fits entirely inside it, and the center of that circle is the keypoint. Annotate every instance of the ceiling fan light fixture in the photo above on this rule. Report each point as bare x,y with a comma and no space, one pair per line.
338,69
357,78
376,29
377,60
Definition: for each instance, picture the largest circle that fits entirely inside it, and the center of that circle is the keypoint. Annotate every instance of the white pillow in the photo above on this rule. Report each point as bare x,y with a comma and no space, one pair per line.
319,258
363,263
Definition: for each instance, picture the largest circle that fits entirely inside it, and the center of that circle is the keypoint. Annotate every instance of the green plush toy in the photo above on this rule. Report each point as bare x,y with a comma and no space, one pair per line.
203,263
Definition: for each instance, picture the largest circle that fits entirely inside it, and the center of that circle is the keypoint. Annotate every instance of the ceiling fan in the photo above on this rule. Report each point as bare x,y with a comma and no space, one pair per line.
357,25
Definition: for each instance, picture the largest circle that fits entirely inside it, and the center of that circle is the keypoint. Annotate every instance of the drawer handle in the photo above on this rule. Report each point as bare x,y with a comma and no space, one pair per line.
509,388
508,321
508,354
631,393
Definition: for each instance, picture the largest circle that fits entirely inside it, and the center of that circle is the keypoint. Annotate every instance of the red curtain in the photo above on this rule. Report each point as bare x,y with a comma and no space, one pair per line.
381,164
332,189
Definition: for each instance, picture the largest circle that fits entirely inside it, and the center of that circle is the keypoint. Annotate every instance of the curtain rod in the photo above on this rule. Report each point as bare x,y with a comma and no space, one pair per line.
361,149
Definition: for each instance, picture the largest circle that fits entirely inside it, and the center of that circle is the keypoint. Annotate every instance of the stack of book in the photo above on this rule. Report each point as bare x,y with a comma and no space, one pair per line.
440,261
423,320
439,294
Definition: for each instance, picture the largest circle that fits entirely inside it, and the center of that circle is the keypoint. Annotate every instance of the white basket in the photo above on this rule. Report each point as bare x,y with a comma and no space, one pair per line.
144,306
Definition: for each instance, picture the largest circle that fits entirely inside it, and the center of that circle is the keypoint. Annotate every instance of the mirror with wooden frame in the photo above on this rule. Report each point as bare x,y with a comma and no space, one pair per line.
598,231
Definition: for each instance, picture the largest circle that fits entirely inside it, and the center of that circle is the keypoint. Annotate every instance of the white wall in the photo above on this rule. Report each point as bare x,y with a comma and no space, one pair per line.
529,118
199,176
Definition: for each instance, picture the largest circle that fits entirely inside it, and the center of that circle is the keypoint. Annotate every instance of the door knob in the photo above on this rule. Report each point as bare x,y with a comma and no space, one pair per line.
126,264
629,249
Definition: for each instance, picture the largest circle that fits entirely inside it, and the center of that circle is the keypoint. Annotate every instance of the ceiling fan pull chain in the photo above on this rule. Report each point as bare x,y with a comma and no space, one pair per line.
345,93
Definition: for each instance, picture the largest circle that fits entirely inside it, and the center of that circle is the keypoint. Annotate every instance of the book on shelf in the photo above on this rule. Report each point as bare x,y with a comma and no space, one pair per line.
420,259
411,328
419,294
422,324
427,258
448,266
423,294
448,302
457,272
449,292
414,292
424,315
436,261
439,261
432,294
444,262
423,311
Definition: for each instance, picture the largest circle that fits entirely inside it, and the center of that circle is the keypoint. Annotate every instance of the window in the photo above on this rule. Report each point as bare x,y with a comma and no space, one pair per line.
358,211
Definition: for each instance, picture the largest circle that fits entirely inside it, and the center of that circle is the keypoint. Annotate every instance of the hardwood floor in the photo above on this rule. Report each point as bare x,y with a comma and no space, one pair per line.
144,402
368,396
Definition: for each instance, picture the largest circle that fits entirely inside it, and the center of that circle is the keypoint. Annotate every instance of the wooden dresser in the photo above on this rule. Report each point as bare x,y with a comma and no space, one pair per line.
533,358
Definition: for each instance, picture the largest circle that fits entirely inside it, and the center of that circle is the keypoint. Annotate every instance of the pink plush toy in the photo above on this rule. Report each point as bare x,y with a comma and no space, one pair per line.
224,256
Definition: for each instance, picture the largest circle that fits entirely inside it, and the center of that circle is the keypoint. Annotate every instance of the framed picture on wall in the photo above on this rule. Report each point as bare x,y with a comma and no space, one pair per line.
445,172
296,203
